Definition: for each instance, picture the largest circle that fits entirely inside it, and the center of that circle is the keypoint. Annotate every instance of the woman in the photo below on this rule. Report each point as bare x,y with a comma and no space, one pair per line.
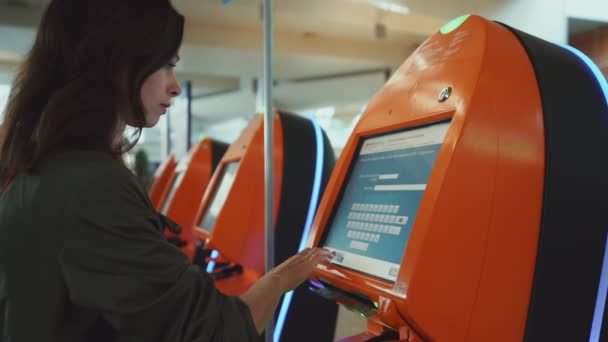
82,252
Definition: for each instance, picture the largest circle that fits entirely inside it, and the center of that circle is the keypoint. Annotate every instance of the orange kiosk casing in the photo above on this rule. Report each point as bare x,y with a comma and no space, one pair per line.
188,185
162,181
244,193
480,256
231,217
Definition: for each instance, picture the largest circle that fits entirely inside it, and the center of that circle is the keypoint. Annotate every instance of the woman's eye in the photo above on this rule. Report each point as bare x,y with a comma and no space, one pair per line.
170,65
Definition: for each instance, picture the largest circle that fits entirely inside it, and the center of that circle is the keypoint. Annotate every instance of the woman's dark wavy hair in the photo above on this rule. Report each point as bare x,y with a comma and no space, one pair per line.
87,64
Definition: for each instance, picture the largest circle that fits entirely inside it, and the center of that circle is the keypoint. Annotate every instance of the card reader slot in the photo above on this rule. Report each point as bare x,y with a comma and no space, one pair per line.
227,271
352,300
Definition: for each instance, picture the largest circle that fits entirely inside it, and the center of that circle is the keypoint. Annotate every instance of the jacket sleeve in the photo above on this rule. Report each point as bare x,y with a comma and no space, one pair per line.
118,263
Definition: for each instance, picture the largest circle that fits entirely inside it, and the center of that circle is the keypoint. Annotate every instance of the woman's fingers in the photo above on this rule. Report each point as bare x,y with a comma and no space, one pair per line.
308,254
296,269
320,254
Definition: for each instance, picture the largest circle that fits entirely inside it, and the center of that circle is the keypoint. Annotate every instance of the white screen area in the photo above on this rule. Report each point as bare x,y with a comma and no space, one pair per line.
220,194
176,182
4,92
180,171
373,218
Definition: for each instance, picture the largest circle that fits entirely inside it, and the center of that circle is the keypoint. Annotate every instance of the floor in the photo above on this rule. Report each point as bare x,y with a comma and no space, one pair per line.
349,324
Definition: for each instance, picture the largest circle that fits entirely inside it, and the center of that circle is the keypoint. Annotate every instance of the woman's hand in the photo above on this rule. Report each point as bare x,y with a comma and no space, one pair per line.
263,297
295,270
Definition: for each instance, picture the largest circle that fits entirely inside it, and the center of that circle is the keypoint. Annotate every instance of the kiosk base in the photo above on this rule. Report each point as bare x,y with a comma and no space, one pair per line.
368,337
376,333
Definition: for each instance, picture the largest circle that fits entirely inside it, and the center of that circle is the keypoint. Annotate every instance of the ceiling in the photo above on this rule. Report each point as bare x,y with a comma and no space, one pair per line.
312,37
223,44
334,53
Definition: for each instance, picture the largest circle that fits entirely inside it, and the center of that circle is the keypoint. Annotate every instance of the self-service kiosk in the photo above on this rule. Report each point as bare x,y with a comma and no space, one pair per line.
469,203
188,185
231,217
161,182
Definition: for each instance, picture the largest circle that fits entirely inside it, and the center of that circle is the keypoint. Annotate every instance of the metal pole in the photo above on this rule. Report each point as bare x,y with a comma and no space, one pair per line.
268,150
188,91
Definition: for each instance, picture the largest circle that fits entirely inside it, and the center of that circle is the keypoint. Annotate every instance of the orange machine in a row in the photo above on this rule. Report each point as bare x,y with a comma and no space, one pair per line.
187,187
231,217
471,200
161,181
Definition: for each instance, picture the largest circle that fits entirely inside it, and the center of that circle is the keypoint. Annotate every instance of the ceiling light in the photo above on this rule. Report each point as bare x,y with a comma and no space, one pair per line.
394,6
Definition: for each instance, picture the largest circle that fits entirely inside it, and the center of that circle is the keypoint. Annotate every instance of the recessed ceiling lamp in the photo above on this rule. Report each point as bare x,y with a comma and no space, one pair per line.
395,6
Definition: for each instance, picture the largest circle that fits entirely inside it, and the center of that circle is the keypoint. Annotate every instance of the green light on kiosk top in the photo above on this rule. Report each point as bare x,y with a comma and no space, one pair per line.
454,24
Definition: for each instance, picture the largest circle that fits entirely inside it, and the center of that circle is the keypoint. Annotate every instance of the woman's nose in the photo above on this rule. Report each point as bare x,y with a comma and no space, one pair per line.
175,89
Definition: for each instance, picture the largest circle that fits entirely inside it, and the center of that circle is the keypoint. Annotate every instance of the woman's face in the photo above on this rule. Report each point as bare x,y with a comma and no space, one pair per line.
157,92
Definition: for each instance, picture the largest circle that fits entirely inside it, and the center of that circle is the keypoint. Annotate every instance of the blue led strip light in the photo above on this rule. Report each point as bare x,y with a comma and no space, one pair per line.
602,291
596,71
211,264
314,200
600,302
